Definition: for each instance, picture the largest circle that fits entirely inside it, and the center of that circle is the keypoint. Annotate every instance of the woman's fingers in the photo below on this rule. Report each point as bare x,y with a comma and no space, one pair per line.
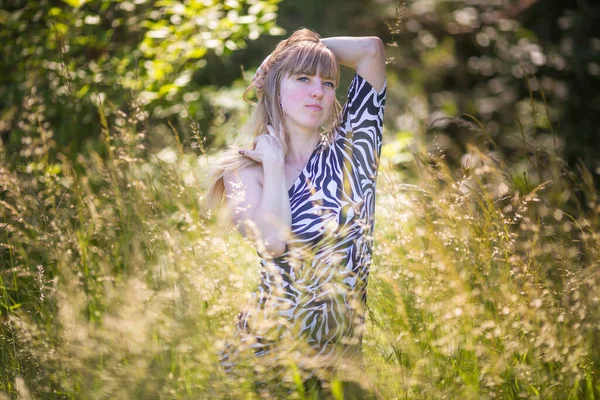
270,130
248,153
264,144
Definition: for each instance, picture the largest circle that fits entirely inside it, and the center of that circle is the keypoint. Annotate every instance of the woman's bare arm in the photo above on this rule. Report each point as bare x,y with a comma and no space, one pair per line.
265,206
366,55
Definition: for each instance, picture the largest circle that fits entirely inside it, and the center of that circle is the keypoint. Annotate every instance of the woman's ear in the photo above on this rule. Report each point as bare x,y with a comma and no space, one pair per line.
281,106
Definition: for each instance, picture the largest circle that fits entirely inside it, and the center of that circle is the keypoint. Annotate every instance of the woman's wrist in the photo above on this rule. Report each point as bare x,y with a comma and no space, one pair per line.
365,55
339,46
273,162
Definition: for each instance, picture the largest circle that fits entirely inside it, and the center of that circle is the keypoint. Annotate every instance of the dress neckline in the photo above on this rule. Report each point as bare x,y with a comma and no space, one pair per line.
302,176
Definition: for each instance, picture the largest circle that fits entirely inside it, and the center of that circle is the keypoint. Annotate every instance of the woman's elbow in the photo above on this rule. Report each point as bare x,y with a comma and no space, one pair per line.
375,46
275,249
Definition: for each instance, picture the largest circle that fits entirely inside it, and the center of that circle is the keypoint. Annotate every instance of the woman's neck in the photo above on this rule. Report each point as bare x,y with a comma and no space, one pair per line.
301,146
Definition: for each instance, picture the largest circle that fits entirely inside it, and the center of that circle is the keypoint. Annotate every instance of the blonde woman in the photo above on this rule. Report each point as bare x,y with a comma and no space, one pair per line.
302,189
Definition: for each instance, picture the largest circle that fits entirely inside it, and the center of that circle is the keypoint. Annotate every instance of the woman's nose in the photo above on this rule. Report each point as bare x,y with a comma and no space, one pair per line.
317,90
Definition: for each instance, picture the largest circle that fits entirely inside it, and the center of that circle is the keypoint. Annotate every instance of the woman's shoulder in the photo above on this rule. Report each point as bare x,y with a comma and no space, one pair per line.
247,174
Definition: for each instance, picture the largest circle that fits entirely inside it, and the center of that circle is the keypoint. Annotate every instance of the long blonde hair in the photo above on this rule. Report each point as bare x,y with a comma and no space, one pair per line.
301,53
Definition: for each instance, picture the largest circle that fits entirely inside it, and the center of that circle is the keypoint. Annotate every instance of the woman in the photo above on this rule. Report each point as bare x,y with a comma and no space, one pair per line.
303,190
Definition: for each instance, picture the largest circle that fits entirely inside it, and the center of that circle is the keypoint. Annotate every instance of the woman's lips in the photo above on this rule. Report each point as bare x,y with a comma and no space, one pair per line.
315,107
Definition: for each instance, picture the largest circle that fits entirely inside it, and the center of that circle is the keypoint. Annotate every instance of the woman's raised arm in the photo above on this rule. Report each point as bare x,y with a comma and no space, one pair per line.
366,55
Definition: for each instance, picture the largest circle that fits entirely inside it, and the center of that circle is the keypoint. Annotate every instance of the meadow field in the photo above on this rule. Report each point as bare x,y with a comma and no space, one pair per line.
118,282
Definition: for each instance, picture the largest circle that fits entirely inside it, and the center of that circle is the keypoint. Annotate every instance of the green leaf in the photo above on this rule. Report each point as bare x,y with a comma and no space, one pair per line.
197,52
55,11
165,89
75,3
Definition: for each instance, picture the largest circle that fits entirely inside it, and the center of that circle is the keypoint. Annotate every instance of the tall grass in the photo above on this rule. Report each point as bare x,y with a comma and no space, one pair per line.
117,282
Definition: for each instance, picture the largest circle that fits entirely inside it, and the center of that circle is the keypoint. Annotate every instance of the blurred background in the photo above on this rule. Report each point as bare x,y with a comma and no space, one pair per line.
116,281
186,65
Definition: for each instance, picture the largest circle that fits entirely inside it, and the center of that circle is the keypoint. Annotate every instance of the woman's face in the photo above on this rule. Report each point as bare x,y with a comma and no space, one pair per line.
307,100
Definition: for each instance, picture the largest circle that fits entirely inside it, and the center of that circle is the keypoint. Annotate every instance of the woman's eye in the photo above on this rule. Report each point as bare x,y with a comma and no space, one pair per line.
331,85
303,79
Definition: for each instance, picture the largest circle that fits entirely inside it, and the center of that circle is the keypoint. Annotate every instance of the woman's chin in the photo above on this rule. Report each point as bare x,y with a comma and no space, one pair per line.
314,124
308,123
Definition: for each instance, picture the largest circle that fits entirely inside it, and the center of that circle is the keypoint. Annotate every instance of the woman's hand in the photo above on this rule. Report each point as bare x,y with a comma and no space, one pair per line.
267,150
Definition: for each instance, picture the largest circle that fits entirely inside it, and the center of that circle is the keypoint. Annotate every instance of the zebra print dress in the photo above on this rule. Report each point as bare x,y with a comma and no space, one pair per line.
316,290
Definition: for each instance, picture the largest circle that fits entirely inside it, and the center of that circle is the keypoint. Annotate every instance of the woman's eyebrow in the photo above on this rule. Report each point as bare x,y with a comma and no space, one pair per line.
308,74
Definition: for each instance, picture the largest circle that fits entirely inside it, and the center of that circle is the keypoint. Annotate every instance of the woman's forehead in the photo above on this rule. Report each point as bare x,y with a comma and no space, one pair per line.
308,73
318,73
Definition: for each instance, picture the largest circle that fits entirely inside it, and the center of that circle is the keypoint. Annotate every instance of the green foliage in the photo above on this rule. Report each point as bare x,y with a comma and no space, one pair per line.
472,57
78,55
117,282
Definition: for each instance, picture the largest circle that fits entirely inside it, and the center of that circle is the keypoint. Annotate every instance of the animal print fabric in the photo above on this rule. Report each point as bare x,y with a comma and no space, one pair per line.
316,291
